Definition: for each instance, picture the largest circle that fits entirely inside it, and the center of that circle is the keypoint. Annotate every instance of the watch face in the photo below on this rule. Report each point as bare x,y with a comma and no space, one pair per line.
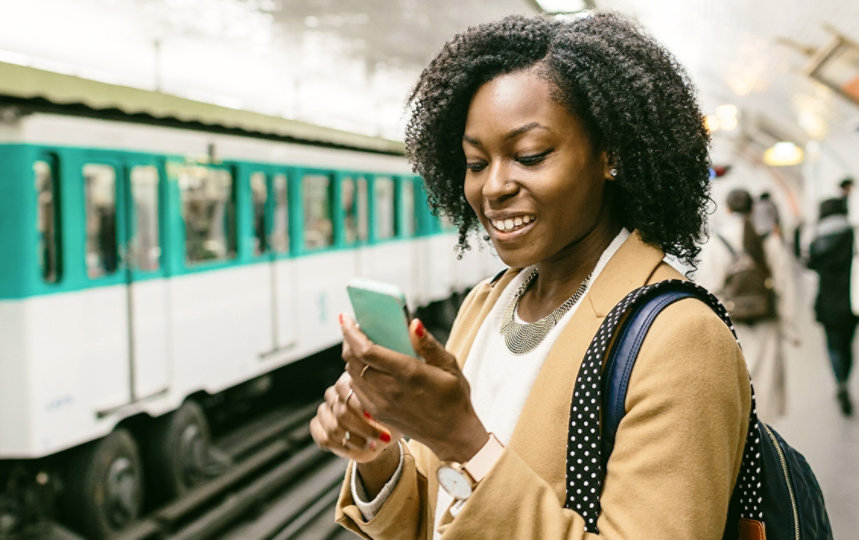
454,482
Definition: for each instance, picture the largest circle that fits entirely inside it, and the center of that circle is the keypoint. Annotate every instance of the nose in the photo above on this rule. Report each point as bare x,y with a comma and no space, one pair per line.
499,184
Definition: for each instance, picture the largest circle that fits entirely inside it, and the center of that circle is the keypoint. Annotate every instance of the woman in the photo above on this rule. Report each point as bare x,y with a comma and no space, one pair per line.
831,256
761,338
580,150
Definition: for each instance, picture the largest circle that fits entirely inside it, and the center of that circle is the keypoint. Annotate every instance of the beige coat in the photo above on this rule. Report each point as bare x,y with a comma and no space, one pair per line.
678,449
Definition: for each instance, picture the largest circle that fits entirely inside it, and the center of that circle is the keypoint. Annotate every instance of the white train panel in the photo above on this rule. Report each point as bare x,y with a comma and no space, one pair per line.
150,343
284,307
76,346
220,323
392,262
320,298
476,264
16,388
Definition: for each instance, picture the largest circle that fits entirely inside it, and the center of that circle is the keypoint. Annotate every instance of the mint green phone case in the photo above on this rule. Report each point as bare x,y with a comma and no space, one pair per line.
380,309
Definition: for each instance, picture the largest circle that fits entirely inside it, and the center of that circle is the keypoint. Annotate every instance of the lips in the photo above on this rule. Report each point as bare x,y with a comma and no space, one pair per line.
512,223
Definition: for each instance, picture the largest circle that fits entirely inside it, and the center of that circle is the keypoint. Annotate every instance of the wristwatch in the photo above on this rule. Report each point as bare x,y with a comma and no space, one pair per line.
459,479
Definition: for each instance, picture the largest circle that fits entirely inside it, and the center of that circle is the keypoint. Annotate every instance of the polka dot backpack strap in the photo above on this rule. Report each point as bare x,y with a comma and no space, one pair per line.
590,440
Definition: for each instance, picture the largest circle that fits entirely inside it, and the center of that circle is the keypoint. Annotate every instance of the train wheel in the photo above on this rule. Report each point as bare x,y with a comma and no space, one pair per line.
180,450
105,491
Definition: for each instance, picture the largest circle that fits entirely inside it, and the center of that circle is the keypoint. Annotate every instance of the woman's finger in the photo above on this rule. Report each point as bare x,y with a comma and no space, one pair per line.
345,352
351,415
429,348
340,434
321,435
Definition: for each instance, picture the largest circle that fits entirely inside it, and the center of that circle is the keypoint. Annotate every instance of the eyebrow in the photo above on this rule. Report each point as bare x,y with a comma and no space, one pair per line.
511,135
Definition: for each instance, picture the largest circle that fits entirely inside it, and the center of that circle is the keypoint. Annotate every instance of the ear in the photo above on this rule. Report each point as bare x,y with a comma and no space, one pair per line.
609,160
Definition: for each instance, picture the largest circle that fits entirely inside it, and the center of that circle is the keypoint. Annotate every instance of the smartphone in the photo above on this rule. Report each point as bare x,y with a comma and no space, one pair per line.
381,312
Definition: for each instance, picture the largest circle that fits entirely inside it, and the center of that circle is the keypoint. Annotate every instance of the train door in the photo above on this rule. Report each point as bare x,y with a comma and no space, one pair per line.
148,301
100,315
270,195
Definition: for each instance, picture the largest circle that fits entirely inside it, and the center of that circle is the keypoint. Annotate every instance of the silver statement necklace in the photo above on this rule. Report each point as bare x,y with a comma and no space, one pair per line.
522,338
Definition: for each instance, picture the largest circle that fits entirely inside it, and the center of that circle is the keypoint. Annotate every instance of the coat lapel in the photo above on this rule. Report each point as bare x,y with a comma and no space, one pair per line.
465,331
540,434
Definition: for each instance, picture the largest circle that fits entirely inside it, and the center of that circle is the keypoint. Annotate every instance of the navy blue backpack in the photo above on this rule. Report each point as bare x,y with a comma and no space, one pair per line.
776,495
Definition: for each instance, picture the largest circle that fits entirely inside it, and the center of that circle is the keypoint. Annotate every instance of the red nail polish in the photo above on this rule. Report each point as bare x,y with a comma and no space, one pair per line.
385,437
419,329
367,415
341,318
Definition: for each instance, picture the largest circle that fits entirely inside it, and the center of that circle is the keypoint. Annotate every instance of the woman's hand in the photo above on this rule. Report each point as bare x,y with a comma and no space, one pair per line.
342,427
428,401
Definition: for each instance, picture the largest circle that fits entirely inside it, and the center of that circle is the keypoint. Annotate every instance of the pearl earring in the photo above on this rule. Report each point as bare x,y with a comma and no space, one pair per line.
613,173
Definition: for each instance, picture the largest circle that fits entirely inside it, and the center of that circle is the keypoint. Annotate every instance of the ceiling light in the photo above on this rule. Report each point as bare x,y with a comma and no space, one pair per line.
813,124
563,6
727,115
783,154
711,123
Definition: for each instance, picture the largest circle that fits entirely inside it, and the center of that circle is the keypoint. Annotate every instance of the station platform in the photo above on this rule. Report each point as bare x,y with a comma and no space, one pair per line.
814,424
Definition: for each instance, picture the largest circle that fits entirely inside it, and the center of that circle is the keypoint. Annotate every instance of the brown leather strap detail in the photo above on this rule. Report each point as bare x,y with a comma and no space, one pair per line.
752,529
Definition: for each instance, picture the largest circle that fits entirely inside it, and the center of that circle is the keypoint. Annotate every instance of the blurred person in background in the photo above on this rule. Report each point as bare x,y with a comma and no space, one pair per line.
733,244
579,147
845,190
765,216
831,256
846,187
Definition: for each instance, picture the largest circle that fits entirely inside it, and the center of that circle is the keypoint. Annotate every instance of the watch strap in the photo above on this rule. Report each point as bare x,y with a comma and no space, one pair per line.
481,463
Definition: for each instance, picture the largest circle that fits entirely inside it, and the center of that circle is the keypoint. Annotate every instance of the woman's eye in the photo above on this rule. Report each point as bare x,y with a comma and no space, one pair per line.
475,166
533,159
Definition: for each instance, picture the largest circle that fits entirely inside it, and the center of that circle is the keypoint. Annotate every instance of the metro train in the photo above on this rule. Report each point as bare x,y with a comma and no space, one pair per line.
146,267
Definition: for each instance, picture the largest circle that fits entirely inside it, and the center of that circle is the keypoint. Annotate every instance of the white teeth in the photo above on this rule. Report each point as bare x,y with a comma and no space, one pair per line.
509,224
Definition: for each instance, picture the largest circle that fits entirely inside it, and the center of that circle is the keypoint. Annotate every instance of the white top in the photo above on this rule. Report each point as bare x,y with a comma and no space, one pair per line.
500,380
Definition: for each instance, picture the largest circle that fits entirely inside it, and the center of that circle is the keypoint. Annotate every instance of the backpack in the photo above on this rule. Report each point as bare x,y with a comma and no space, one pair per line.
776,495
747,291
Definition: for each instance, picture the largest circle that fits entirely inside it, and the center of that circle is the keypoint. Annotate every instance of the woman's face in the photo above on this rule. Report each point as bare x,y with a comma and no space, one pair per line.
533,178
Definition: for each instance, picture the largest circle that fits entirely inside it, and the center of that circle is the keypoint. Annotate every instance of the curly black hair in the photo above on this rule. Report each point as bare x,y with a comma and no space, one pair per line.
636,102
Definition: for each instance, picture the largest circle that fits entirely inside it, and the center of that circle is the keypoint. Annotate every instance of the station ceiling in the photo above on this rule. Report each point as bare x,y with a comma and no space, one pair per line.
350,63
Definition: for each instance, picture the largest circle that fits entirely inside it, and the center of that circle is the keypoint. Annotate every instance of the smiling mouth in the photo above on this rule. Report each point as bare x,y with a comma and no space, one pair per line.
511,224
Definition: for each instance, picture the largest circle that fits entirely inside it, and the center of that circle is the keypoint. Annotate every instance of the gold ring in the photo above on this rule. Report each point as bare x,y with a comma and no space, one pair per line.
346,438
351,391
363,371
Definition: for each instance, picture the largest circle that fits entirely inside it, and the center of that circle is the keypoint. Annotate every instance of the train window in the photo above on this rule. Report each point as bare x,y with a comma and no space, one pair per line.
383,193
318,227
145,245
102,254
259,194
354,200
47,221
208,208
407,203
280,229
